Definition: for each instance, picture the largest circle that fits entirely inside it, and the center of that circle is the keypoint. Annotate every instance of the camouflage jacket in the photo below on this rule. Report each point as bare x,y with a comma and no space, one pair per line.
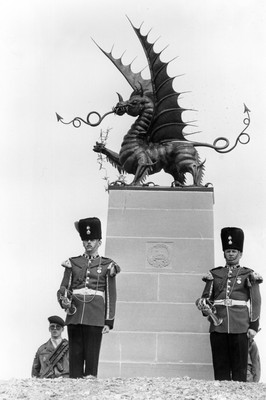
41,362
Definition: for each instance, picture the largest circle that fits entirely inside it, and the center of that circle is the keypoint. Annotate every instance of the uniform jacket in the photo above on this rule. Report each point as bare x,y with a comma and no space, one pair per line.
97,274
240,284
41,362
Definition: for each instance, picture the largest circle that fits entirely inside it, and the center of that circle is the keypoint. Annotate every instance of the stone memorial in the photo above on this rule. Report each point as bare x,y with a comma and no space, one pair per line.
162,237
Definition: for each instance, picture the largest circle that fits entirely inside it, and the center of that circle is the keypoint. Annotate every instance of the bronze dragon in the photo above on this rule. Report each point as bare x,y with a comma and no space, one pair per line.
155,140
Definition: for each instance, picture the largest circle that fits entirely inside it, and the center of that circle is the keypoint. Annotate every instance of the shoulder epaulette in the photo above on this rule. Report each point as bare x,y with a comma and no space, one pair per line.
67,264
256,278
114,268
207,277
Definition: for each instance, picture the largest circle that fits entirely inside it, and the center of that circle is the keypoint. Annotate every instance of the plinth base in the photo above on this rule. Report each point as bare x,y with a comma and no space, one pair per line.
163,240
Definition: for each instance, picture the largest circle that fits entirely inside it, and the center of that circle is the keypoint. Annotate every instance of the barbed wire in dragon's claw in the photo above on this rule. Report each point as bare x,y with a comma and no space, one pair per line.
101,159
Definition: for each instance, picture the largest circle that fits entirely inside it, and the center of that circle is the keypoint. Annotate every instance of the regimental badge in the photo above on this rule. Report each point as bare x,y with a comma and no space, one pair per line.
230,240
159,255
88,230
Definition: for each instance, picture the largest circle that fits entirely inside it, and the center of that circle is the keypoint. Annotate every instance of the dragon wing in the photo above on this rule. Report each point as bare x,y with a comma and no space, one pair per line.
167,123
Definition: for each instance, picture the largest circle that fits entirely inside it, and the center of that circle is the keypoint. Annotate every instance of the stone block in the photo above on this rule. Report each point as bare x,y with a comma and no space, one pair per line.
137,288
129,347
168,370
171,224
108,369
185,348
161,198
141,287
171,288
159,317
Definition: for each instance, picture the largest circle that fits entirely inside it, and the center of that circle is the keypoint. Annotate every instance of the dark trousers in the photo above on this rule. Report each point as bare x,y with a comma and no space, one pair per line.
84,350
229,356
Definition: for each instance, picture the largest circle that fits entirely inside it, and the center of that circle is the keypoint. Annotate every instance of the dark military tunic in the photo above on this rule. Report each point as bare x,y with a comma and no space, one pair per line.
91,285
235,294
97,275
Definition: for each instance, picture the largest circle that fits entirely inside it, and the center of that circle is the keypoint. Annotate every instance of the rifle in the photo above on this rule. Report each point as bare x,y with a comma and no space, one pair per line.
55,357
205,306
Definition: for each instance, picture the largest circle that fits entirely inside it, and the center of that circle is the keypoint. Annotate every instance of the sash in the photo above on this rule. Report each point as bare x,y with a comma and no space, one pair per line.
55,357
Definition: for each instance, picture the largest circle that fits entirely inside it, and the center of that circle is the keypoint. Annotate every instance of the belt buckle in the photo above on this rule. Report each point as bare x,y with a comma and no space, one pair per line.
228,302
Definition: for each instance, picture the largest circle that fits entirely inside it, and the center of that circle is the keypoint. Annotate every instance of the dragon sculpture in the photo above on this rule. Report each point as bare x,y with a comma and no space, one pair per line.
155,140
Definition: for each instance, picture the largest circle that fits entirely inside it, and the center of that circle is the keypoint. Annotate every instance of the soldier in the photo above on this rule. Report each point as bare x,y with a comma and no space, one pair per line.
231,300
254,367
51,359
88,294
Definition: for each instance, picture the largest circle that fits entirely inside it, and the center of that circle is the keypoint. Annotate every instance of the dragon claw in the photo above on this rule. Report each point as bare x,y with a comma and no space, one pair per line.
177,184
98,147
118,183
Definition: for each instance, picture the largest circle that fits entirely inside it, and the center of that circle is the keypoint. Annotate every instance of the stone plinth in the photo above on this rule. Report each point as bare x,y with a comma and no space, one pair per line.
163,240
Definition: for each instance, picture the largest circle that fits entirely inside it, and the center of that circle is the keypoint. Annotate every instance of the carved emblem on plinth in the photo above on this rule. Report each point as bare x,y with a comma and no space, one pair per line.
158,255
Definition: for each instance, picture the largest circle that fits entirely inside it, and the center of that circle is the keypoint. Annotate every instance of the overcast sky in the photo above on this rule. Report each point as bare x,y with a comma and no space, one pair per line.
50,176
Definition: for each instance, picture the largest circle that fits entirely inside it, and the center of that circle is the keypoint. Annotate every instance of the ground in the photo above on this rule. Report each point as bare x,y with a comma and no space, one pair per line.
129,389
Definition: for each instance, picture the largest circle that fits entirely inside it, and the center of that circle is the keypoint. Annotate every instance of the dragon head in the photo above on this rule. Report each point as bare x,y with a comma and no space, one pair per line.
135,105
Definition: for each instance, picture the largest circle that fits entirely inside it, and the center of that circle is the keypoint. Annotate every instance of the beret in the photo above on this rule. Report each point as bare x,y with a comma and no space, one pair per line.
54,319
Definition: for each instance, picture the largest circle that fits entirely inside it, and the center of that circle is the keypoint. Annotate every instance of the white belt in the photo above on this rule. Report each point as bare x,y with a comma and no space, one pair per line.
230,302
89,292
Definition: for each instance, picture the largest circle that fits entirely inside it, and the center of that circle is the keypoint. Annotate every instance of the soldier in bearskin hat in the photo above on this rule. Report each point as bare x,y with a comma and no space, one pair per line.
88,294
231,300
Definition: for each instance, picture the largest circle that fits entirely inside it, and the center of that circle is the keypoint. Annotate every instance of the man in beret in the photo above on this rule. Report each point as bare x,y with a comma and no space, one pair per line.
88,294
232,295
51,359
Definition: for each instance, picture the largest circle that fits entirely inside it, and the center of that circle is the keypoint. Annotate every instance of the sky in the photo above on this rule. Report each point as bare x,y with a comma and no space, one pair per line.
49,175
